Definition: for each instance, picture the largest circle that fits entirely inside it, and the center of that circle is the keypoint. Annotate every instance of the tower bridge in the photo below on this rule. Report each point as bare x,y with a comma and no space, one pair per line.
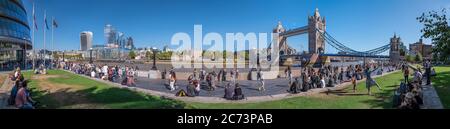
318,37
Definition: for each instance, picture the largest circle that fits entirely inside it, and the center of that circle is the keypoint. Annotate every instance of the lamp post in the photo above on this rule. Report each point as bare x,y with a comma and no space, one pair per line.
63,59
154,51
90,55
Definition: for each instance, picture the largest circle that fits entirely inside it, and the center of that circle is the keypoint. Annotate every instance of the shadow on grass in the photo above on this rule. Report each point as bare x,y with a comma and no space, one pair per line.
94,97
441,83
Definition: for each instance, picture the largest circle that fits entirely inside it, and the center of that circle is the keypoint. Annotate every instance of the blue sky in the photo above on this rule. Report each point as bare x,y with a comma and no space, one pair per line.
360,24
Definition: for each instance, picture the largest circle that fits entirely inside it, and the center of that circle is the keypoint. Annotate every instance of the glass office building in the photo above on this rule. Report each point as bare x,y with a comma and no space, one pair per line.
14,34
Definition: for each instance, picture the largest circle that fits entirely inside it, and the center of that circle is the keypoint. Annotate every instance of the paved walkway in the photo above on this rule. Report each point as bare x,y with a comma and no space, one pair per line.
431,99
276,90
5,88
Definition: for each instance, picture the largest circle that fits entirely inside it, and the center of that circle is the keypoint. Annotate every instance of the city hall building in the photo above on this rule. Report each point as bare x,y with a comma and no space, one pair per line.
14,34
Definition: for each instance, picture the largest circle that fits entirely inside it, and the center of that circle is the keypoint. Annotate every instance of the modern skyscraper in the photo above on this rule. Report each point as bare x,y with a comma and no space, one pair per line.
110,35
130,43
14,32
86,40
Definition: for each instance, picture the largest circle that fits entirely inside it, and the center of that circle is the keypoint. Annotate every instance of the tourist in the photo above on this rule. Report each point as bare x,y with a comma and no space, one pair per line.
417,76
294,86
427,66
172,81
409,102
288,73
190,88
224,75
130,79
17,74
232,74
322,82
210,81
202,74
23,99
260,79
196,75
354,82
306,83
229,92
406,74
238,93
370,81
92,73
219,79
110,74
331,81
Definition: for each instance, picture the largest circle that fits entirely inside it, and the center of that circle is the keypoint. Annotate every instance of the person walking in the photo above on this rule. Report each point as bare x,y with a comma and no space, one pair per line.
260,80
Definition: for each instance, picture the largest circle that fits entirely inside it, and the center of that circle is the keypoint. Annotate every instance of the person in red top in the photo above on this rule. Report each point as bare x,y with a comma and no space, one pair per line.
406,74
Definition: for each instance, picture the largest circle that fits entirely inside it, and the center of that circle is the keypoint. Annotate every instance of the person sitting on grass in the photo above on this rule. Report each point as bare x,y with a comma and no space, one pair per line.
238,93
23,98
409,102
228,92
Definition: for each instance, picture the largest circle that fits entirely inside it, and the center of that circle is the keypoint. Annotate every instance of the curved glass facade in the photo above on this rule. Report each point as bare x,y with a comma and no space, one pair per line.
15,36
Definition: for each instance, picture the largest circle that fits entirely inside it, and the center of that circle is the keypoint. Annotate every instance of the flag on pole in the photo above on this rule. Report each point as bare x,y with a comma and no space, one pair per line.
46,25
55,24
34,18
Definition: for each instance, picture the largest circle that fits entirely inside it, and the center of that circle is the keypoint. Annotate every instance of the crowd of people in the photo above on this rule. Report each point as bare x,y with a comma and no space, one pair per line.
331,76
409,95
208,81
124,75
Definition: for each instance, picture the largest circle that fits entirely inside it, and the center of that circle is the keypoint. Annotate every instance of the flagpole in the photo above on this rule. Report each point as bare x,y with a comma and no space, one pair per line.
44,28
34,27
53,44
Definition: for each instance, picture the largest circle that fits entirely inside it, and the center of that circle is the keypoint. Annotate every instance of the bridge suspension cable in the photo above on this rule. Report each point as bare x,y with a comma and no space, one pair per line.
341,47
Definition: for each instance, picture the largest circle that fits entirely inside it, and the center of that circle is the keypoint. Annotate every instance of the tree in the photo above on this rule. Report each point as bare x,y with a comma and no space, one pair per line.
418,58
409,58
148,55
132,54
436,27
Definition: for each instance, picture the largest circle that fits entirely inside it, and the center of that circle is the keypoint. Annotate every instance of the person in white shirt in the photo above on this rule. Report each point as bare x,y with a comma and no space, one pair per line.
93,74
322,82
418,76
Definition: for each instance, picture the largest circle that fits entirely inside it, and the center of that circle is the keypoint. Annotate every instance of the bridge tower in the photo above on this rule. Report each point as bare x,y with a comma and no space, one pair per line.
284,47
394,53
316,42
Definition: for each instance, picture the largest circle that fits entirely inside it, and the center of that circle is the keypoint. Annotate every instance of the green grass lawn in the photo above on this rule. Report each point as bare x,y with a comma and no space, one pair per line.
345,99
87,93
442,84
74,90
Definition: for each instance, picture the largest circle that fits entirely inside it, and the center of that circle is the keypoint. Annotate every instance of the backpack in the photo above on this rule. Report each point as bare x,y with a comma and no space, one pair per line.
181,93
